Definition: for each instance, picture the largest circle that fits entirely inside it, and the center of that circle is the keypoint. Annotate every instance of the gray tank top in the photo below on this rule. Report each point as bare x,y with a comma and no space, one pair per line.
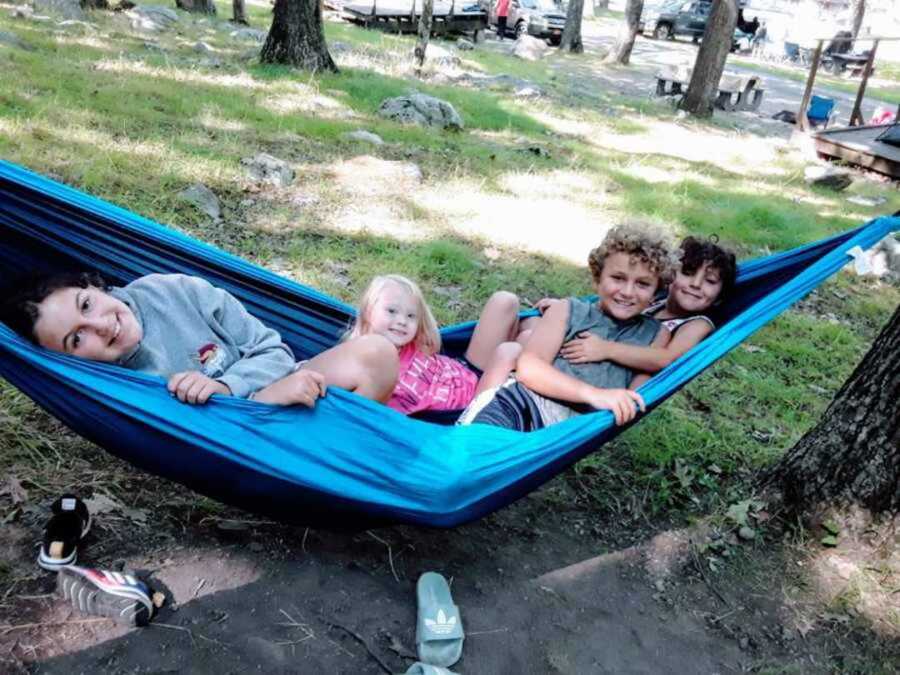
586,316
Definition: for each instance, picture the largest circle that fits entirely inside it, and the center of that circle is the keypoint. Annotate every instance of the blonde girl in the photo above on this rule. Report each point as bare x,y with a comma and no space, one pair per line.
394,307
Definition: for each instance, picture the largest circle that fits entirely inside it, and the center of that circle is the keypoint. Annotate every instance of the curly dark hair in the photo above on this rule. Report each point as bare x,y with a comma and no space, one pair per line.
695,252
22,310
641,240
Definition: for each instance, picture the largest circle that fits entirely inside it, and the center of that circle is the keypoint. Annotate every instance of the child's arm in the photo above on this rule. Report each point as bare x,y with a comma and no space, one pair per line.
587,348
659,343
535,370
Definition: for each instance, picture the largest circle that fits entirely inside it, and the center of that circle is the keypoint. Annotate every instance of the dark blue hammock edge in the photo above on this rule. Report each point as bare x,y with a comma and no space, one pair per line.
350,462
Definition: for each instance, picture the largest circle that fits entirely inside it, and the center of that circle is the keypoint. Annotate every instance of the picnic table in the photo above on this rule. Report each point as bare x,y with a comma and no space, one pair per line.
736,91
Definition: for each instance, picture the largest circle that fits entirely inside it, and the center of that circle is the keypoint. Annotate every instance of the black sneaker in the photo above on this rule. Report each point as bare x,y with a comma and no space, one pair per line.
64,531
119,596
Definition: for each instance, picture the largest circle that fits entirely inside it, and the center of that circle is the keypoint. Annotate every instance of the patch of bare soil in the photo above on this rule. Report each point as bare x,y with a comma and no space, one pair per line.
555,583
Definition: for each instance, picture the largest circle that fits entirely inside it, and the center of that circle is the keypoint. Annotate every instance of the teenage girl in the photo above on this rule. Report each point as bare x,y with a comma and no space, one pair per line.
394,307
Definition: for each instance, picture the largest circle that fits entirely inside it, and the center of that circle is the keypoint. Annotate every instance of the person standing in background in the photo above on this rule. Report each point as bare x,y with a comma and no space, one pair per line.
502,9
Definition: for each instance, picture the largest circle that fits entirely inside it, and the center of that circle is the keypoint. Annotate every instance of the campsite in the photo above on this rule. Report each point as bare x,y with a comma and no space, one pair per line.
148,138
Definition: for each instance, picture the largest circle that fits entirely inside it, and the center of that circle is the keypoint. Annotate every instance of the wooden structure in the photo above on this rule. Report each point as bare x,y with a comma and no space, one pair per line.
855,116
736,92
402,16
860,146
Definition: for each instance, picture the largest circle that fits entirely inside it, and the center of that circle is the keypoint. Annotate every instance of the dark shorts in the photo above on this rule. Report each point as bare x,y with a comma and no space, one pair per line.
512,407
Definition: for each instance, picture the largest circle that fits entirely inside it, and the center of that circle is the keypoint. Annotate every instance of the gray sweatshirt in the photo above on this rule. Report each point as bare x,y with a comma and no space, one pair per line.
190,324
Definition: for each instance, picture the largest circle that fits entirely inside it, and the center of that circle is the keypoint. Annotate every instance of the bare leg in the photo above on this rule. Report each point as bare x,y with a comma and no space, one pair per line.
496,325
366,365
501,365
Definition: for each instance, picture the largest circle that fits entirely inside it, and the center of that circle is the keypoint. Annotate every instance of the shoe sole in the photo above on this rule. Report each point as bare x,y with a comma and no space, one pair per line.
87,592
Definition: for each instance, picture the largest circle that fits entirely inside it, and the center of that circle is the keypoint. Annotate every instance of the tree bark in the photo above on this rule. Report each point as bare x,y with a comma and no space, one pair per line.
859,11
853,455
424,31
711,56
198,6
621,51
571,37
94,4
296,37
239,13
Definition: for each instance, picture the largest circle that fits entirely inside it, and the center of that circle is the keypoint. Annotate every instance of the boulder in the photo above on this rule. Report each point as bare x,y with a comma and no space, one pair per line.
421,109
530,48
440,56
464,45
21,12
152,18
253,34
203,198
13,40
828,177
67,9
363,136
264,168
202,48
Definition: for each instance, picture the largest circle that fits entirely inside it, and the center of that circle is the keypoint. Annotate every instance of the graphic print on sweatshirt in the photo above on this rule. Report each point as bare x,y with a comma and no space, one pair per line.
210,360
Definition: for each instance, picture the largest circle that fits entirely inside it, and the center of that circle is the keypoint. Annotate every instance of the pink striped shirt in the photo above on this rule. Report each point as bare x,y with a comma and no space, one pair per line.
434,382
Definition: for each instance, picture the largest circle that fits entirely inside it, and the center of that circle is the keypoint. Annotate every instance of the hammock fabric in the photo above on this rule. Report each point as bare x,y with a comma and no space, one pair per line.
349,462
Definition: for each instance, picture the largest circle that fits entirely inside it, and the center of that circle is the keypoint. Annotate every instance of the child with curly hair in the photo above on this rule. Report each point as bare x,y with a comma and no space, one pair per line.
628,268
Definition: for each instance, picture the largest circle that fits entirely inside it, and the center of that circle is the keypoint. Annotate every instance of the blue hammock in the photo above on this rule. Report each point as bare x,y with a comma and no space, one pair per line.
348,462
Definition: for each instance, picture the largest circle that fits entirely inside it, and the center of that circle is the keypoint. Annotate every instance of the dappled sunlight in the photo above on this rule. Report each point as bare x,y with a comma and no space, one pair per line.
210,119
99,43
306,102
242,81
655,175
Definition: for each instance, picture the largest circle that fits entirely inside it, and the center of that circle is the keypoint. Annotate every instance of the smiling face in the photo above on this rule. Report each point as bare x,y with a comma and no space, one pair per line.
626,286
87,322
395,315
693,293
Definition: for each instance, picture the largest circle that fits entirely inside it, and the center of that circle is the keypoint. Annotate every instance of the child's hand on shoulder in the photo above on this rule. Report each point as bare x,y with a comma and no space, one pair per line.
585,348
623,403
194,387
301,388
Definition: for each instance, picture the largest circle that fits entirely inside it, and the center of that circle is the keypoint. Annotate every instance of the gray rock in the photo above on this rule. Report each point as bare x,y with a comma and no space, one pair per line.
21,12
464,45
67,9
363,136
202,48
747,533
441,57
421,109
203,198
828,177
74,24
253,34
152,18
13,40
264,168
530,48
528,92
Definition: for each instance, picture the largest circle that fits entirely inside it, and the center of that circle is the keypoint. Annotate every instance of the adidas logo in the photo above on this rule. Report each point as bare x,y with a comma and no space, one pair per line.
441,625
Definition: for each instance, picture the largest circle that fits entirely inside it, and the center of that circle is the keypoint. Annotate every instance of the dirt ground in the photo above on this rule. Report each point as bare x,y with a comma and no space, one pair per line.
555,583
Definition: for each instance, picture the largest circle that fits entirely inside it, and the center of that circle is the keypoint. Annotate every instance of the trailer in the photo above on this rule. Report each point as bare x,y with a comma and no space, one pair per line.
402,16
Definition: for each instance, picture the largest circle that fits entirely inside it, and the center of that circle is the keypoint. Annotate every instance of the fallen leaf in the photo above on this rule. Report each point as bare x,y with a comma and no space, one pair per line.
830,541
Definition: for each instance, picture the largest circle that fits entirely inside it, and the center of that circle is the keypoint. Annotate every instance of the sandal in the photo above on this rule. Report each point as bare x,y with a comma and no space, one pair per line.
64,531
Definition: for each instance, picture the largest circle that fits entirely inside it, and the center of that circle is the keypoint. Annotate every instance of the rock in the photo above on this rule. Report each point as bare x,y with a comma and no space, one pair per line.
152,18
13,40
866,201
363,136
747,533
264,168
253,34
464,45
421,109
440,56
203,198
744,643
530,48
74,24
528,92
21,12
202,48
67,9
828,177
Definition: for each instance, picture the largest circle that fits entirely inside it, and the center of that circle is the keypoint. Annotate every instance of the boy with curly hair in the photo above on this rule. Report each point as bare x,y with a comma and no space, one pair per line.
628,268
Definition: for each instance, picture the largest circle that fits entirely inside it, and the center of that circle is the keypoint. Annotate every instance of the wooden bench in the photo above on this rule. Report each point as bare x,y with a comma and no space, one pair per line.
736,92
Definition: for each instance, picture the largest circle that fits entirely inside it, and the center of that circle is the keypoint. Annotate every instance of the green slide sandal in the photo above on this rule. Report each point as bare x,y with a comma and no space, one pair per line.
426,669
439,631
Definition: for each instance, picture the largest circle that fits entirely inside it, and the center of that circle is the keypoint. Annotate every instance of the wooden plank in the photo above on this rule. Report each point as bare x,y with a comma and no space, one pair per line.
856,117
857,145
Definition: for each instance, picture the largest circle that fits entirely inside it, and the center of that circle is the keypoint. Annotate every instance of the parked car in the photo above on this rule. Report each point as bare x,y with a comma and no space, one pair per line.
540,18
688,19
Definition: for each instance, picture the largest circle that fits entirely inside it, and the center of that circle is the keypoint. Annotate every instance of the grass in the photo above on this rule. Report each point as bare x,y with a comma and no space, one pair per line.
135,125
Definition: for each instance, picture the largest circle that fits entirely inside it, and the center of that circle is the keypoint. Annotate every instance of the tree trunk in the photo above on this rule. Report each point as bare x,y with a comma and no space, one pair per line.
621,52
199,6
853,455
94,4
571,37
600,6
239,13
424,31
711,56
859,11
296,37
